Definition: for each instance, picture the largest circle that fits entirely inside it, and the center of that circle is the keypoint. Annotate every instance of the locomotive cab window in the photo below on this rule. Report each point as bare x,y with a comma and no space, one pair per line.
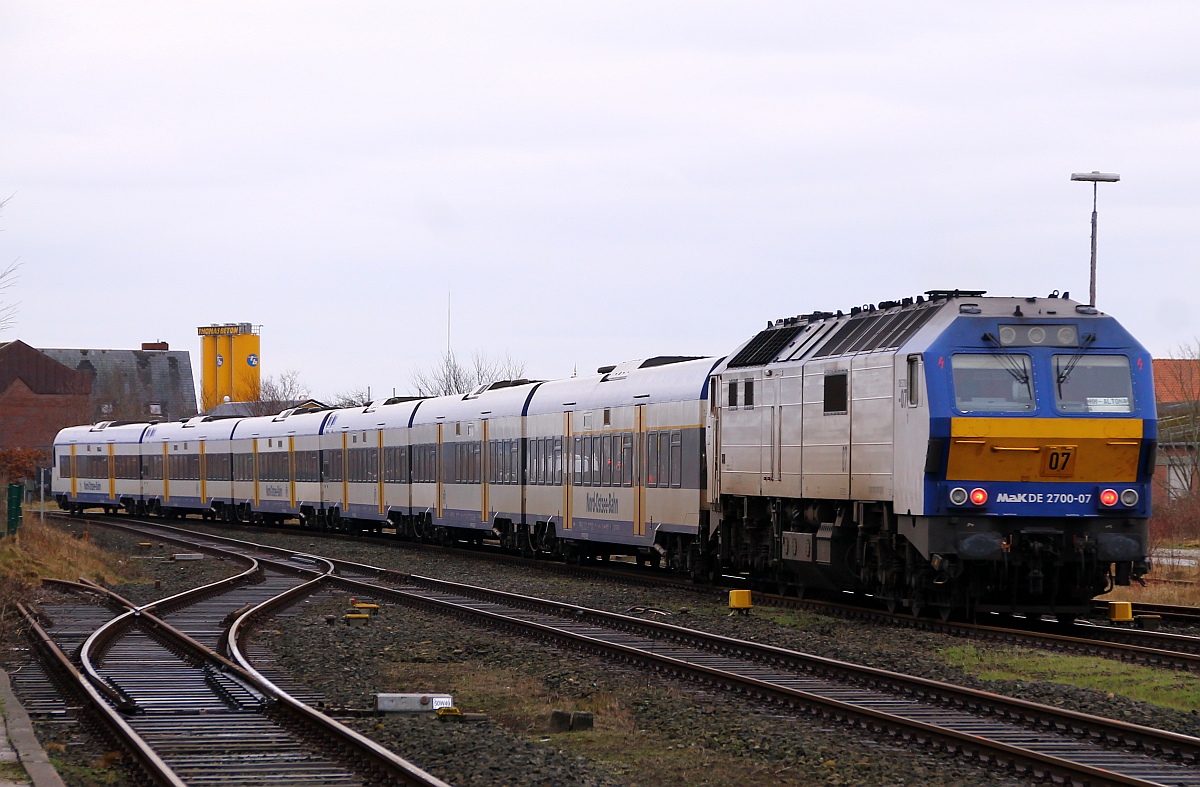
992,383
1093,384
837,390
733,397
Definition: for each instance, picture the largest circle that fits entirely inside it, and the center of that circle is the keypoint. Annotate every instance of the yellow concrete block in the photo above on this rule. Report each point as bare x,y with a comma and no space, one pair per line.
740,599
1120,611
366,606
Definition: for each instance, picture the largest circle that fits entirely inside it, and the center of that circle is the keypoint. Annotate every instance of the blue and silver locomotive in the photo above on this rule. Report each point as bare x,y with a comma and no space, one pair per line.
948,452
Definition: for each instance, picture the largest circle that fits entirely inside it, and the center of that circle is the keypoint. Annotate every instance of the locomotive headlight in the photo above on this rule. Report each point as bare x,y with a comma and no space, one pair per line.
958,496
1108,498
1066,336
1129,498
978,496
1007,335
1037,335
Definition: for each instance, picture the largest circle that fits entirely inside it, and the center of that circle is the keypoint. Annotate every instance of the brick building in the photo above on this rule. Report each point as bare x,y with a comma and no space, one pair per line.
38,397
1177,389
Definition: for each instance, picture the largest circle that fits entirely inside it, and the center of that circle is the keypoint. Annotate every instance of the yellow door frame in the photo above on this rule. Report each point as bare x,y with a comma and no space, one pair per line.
437,466
379,471
112,473
568,516
292,471
345,472
166,473
484,503
639,477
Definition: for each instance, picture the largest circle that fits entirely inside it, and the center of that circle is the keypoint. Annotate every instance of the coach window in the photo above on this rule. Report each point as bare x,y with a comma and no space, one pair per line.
64,466
627,460
676,458
606,460
749,398
557,471
733,399
597,463
837,391
652,459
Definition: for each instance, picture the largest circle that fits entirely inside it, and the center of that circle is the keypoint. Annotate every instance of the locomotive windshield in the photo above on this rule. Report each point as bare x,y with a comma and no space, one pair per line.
1093,384
992,383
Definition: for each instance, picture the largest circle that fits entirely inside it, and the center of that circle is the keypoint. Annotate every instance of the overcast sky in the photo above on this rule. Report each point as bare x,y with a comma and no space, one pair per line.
594,182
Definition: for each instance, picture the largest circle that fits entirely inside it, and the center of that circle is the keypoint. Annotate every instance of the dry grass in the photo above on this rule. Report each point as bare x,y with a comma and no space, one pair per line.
43,551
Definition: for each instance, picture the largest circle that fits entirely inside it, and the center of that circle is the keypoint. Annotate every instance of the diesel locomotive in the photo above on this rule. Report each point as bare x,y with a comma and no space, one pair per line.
950,453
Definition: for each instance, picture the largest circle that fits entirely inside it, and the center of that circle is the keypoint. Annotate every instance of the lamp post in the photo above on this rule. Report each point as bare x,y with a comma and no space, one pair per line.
1095,178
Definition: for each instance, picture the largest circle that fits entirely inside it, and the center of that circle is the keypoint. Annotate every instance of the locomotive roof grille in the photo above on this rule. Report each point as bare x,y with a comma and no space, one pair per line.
872,331
765,346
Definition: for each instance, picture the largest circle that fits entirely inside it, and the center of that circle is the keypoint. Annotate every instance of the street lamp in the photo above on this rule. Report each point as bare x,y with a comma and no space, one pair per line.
1094,177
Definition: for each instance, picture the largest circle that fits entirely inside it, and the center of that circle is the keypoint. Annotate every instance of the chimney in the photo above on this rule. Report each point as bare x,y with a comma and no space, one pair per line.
155,347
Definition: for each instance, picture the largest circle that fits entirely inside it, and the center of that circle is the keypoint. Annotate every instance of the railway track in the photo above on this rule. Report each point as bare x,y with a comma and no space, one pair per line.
1024,737
1159,649
152,676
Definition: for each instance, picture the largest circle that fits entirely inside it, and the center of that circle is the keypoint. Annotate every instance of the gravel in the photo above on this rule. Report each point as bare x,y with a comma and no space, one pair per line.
649,730
898,649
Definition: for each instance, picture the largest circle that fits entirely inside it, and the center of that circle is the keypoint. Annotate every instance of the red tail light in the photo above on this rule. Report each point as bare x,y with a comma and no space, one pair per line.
978,496
1108,497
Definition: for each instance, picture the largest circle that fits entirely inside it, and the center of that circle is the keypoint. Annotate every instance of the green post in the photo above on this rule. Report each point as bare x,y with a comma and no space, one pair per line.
16,495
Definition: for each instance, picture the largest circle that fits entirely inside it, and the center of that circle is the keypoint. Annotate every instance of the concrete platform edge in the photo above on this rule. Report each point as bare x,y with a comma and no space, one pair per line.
20,734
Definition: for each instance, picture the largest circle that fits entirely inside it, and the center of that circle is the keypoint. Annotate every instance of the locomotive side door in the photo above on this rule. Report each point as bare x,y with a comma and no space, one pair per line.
741,454
769,423
826,431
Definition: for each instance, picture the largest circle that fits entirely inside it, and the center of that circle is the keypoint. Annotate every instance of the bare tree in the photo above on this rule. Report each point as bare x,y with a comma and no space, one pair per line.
1179,419
8,277
355,397
448,376
276,394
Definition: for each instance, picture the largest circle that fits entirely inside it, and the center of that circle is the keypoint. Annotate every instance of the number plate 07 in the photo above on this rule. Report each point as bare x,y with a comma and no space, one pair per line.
1059,460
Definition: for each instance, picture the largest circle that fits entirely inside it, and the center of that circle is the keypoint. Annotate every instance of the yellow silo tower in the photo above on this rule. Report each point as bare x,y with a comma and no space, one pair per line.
229,363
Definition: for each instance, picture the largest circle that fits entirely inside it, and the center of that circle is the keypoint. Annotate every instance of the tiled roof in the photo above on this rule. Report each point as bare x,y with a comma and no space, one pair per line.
1176,380
135,380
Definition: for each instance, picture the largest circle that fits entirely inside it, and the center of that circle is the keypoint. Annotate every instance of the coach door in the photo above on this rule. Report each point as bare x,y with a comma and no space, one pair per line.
639,471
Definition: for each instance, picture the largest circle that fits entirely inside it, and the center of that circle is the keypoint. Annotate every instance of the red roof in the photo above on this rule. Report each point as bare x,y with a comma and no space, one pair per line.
42,374
1176,380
